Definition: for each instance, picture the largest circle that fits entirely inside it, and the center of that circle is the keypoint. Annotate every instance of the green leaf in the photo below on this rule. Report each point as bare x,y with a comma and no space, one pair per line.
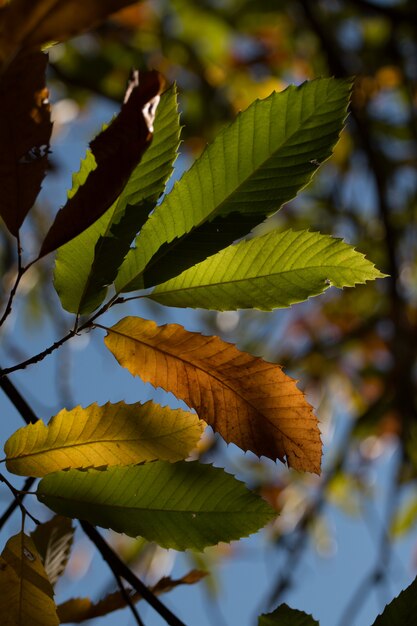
402,610
113,434
89,263
268,272
181,505
285,616
53,541
255,165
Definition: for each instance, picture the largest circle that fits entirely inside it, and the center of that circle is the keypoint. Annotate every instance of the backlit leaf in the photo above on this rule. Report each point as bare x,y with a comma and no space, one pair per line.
117,150
268,272
78,610
25,131
86,265
53,541
178,505
29,24
285,616
26,594
250,402
113,434
254,166
402,610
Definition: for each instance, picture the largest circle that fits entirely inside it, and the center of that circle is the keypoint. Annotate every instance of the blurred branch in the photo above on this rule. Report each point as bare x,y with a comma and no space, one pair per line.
379,572
297,542
398,14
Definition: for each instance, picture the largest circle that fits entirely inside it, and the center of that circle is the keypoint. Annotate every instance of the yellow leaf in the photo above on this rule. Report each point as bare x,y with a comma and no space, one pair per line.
78,610
26,594
250,402
28,24
113,434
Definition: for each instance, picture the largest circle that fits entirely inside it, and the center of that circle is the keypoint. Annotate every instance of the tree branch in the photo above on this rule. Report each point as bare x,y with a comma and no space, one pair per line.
117,565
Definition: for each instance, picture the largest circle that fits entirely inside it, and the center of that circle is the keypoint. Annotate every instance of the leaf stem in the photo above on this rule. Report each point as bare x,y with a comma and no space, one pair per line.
116,564
20,271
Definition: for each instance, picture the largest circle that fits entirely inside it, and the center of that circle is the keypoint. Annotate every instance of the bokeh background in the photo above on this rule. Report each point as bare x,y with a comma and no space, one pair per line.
344,544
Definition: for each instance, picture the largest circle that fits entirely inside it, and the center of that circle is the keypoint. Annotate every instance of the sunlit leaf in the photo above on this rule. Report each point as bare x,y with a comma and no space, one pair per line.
25,131
53,541
178,505
26,594
268,272
78,610
29,24
113,434
285,616
402,610
88,263
250,402
255,165
117,150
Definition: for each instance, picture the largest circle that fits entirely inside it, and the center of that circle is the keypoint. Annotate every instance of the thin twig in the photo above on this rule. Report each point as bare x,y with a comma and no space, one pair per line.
15,504
57,344
114,561
12,294
18,498
128,598
37,357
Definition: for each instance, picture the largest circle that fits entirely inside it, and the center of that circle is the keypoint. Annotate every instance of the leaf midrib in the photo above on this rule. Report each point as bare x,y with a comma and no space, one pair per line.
251,278
244,511
221,381
90,443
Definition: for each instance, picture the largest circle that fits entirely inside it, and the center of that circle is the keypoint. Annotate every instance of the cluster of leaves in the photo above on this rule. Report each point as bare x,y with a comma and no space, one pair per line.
123,466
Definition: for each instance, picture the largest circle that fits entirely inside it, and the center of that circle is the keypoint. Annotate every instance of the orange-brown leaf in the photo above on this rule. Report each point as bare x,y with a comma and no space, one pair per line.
80,609
117,151
31,24
250,402
25,131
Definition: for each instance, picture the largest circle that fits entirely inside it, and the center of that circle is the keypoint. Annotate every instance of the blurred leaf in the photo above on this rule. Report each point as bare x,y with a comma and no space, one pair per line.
254,166
53,541
28,24
26,593
113,434
117,150
405,519
25,131
80,609
285,616
267,272
178,505
250,402
402,610
86,265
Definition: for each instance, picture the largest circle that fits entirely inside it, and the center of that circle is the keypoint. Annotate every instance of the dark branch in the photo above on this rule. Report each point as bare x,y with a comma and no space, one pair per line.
117,565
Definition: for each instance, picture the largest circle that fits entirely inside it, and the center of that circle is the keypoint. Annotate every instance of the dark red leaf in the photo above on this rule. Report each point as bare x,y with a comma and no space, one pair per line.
117,151
25,131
